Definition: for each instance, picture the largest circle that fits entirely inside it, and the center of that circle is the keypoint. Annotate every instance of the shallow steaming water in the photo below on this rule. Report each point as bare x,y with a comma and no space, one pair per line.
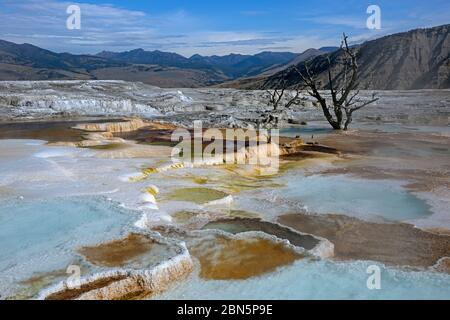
306,132
319,280
357,197
41,232
41,235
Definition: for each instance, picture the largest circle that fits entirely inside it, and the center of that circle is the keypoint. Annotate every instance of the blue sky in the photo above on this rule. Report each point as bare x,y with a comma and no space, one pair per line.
209,27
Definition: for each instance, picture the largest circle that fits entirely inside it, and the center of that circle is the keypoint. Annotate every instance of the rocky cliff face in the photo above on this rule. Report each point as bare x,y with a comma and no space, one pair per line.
413,60
418,59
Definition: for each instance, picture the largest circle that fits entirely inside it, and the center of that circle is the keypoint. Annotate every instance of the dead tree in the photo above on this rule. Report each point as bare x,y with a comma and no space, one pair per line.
279,101
276,95
344,98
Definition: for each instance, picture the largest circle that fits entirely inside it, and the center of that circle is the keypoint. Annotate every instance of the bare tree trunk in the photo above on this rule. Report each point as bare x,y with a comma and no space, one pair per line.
335,124
348,120
339,117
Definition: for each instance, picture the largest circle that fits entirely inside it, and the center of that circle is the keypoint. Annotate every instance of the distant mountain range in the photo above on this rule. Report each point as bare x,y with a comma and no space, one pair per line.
411,60
418,59
166,69
232,66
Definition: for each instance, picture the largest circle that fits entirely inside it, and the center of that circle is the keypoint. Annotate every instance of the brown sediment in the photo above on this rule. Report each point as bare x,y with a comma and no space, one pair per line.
36,283
133,150
52,131
309,147
154,133
361,143
396,244
97,134
239,225
109,146
101,136
226,259
73,132
368,142
297,146
303,155
119,253
149,136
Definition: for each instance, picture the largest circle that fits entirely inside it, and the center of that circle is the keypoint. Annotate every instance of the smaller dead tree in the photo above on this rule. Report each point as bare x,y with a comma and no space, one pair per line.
277,95
345,99
281,98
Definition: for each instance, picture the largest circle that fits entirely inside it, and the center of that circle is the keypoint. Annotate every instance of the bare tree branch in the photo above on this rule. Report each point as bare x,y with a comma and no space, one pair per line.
362,105
344,94
354,65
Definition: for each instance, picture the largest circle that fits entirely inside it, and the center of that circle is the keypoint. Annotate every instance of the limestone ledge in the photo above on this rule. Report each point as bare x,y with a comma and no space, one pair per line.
123,283
443,265
127,125
324,248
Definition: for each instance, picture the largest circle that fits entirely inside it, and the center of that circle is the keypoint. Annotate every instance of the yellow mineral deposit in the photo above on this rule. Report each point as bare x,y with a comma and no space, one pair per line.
196,195
153,190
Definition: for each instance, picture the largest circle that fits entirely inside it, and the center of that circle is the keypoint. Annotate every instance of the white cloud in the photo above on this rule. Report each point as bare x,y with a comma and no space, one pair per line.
107,27
346,21
40,22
